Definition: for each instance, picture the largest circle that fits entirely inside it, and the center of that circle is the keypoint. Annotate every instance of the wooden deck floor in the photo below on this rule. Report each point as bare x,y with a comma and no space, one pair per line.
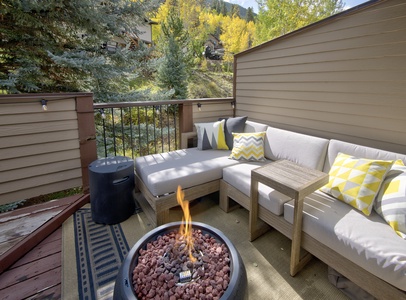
31,245
37,275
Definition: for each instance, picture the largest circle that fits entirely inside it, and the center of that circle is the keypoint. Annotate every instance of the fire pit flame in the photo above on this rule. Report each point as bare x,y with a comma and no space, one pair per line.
185,229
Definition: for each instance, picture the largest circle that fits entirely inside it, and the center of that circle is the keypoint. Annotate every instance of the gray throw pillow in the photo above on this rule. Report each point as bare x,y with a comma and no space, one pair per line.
236,125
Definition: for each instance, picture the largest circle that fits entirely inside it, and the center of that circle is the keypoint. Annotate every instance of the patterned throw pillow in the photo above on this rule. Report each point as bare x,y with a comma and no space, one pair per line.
211,136
390,202
356,181
248,146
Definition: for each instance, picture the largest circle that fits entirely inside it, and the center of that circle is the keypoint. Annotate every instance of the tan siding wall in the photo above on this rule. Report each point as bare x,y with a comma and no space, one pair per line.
344,78
211,112
39,150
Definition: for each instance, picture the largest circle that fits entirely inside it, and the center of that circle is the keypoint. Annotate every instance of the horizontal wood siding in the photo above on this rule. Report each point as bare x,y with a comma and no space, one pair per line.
211,112
342,78
39,150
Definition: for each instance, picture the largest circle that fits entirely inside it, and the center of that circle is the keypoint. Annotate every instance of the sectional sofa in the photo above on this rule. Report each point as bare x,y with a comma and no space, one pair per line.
369,250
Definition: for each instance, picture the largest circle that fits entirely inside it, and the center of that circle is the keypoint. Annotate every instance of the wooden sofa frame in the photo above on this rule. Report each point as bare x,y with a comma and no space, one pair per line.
157,208
369,282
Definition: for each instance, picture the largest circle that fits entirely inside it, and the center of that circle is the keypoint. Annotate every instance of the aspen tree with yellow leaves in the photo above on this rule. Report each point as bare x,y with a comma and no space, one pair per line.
237,35
278,17
200,22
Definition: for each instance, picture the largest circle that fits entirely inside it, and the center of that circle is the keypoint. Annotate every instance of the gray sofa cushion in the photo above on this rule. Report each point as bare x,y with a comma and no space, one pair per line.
239,176
162,173
305,150
367,241
357,150
251,126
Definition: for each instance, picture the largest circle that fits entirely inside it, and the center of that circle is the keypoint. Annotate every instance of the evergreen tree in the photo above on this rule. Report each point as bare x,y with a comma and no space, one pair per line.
235,11
215,5
57,46
250,15
223,8
193,17
172,71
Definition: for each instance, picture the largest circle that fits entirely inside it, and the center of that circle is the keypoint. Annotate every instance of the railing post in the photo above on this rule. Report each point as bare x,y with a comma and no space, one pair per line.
87,136
185,121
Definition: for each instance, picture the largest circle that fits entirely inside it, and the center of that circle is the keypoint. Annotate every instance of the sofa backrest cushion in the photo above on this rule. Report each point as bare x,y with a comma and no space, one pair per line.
305,150
337,146
251,126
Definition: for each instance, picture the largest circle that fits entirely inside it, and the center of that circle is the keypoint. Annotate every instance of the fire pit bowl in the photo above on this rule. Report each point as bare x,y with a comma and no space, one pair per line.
237,287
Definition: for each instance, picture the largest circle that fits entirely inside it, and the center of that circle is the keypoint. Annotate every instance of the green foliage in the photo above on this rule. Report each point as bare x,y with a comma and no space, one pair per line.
56,46
223,8
235,11
278,17
137,131
11,206
210,85
40,199
250,15
172,71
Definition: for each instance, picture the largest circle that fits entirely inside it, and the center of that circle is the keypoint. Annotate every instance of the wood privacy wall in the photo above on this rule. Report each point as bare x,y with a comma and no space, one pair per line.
42,152
212,111
341,78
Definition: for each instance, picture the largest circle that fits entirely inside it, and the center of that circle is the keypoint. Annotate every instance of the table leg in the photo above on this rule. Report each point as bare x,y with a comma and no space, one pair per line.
256,226
296,264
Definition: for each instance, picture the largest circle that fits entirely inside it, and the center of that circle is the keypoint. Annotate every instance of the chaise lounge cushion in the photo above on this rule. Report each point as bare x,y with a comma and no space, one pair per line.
162,173
367,241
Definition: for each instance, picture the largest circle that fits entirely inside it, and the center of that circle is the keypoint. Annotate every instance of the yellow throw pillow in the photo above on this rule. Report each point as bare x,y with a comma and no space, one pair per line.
356,181
248,146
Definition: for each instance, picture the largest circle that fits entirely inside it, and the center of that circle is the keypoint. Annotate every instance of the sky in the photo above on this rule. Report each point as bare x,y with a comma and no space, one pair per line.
254,4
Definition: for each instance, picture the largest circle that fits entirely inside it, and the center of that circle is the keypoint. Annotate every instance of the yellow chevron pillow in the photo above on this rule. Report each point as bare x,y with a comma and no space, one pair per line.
391,200
248,146
356,181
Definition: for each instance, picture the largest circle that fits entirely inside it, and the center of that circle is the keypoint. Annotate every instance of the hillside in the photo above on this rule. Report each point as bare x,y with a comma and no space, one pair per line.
243,10
210,85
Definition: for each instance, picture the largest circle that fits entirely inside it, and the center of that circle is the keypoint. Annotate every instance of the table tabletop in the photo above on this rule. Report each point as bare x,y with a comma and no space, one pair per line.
290,178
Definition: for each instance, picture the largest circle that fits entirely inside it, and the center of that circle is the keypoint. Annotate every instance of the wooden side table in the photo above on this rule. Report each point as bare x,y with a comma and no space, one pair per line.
294,181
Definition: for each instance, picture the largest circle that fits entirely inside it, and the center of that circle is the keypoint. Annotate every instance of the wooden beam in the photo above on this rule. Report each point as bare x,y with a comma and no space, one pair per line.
25,245
186,117
87,136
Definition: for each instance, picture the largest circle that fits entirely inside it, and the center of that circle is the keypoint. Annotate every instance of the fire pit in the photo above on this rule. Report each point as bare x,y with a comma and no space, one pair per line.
182,260
237,287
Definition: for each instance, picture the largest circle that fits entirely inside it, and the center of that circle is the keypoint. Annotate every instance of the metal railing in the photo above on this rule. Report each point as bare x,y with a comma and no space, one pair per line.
136,129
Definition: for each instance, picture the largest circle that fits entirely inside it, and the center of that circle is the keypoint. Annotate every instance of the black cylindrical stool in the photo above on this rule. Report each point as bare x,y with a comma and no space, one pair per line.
111,189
